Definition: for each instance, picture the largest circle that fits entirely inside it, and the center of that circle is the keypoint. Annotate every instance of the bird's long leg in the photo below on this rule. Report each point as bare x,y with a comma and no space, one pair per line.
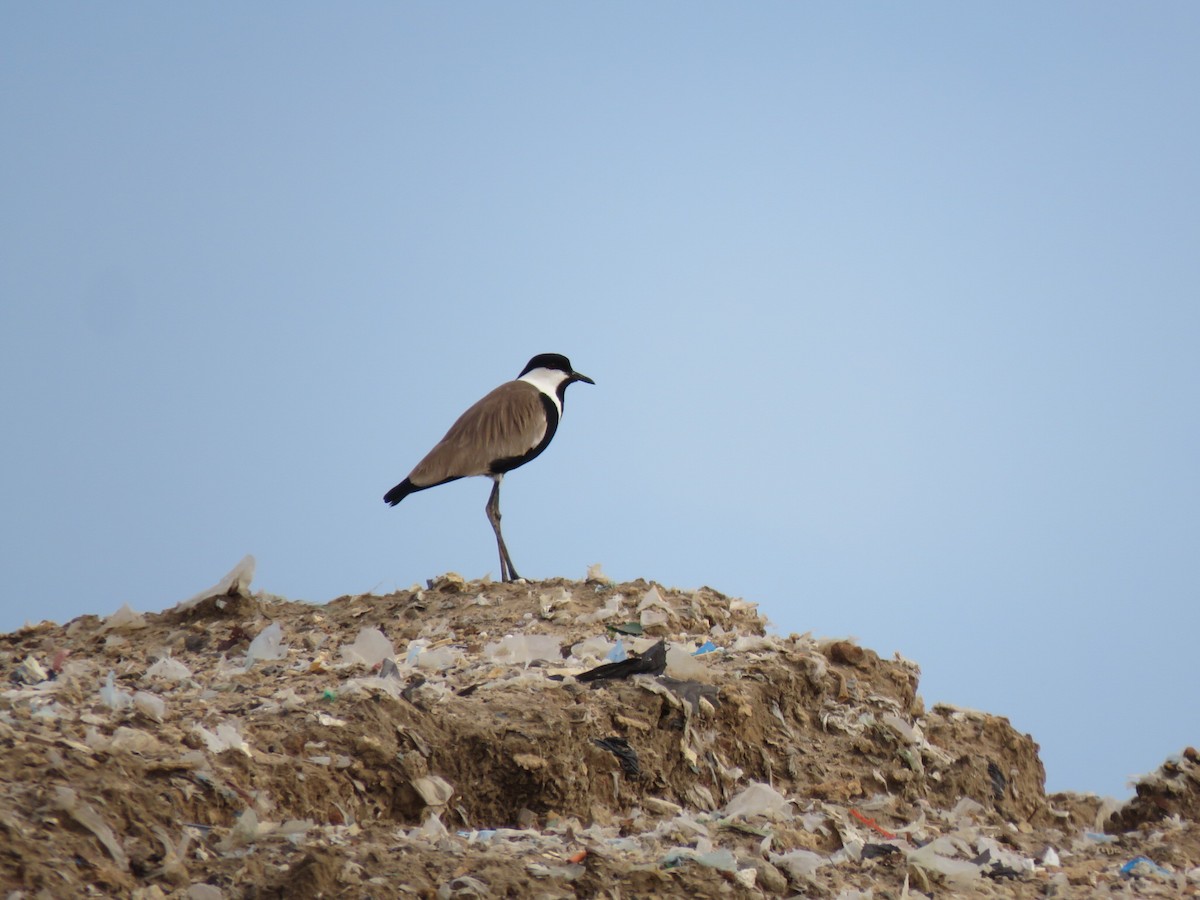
507,571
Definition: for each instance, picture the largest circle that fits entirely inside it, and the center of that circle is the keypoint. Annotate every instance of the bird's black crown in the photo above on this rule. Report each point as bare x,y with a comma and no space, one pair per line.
548,361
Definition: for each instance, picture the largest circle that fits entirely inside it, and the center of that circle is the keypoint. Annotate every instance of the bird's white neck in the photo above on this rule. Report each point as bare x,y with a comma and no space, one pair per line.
547,381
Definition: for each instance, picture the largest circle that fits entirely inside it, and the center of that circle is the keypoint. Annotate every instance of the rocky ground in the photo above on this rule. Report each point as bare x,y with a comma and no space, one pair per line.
449,741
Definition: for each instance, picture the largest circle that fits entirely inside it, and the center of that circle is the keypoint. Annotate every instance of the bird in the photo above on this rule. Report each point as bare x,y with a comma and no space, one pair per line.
506,429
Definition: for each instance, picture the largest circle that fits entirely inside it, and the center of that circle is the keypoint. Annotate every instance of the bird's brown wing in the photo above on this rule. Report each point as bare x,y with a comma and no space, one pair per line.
507,423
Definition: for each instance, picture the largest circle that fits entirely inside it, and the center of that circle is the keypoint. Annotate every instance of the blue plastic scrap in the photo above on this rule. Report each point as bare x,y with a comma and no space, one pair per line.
706,647
1138,863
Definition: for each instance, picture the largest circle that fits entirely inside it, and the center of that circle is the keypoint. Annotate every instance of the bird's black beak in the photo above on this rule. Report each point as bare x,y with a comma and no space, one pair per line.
576,376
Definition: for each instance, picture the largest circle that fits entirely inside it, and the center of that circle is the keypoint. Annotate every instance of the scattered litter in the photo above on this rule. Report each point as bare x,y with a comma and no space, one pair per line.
29,672
1144,867
721,758
268,646
150,705
226,737
957,872
626,754
523,649
434,790
595,575
112,696
370,648
999,782
759,799
85,814
169,669
611,609
236,582
681,664
633,629
872,824
124,618
652,662
800,864
878,851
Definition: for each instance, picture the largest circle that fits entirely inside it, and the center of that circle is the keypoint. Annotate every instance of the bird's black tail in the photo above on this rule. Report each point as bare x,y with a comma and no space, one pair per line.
399,492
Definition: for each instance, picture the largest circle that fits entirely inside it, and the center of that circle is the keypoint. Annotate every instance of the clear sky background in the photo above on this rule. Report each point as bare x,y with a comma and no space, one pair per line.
893,312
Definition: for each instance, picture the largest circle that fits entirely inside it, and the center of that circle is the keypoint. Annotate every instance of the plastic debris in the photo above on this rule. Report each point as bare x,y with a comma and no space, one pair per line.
627,755
437,659
370,648
681,664
85,814
758,799
721,859
610,610
267,646
124,618
549,601
654,600
112,696
652,618
235,583
998,861
878,851
1145,867
652,662
29,672
957,872
763,764
150,705
523,649
432,827
169,669
433,789
999,782
799,864
633,629
225,738
872,824
389,669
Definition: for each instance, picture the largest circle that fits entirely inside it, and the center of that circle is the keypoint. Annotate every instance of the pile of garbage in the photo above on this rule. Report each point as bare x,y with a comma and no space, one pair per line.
549,739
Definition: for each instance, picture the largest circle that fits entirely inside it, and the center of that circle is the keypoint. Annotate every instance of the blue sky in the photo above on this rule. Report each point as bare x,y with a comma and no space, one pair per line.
893,313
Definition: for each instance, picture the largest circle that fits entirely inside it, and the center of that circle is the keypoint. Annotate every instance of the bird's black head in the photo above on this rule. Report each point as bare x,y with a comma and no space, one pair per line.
556,362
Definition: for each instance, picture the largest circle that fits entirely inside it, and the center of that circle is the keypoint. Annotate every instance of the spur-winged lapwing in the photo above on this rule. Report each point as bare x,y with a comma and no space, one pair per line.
504,430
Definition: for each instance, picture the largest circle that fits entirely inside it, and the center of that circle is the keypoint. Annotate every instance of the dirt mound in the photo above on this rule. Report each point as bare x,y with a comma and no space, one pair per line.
450,742
1171,792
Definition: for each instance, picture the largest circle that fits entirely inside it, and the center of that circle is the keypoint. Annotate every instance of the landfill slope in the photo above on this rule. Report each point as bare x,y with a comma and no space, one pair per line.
449,742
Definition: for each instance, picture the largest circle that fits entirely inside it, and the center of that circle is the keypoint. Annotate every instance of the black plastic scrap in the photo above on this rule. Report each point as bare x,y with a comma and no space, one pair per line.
993,868
652,662
874,851
632,629
626,754
999,782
